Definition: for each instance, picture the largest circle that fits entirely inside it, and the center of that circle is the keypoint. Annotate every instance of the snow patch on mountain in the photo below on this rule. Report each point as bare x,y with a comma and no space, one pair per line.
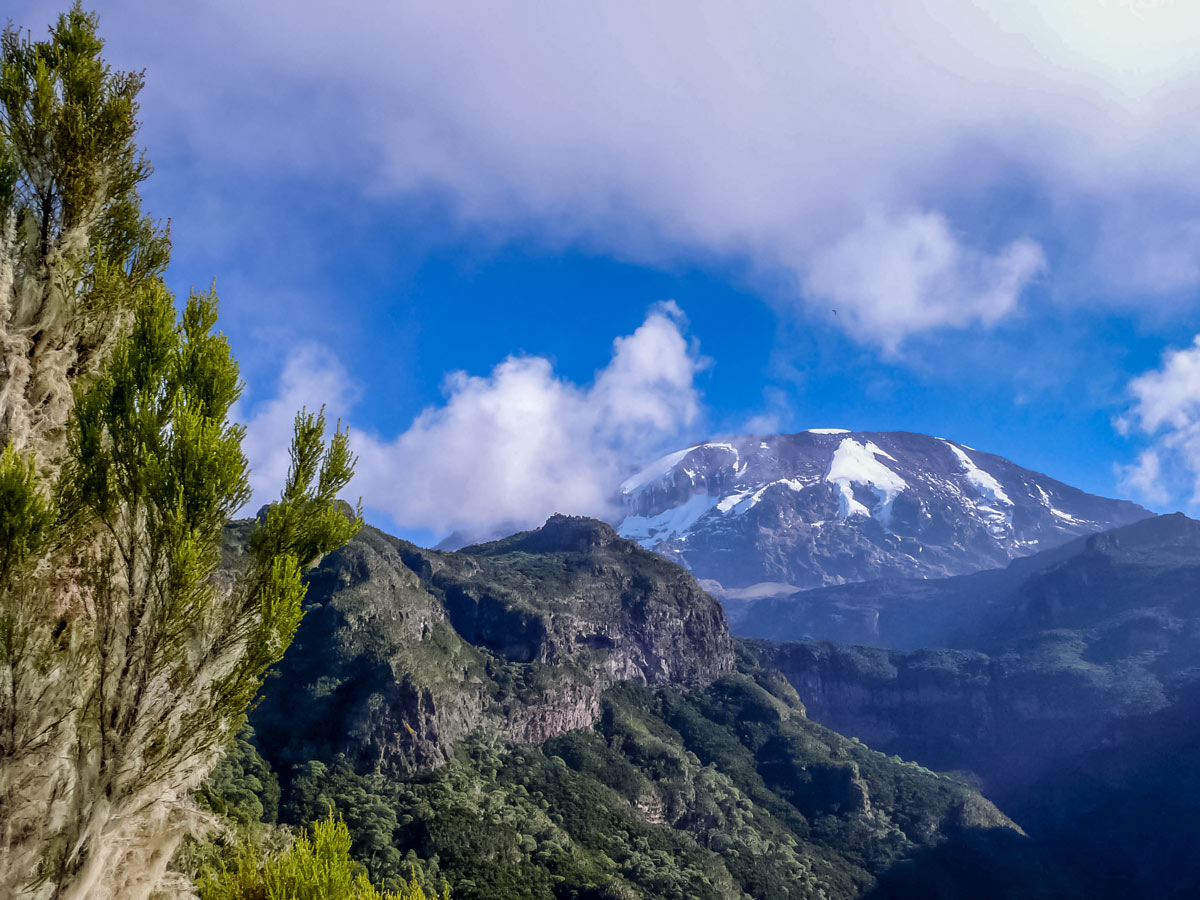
984,481
665,465
656,469
734,500
812,509
1066,517
743,501
854,463
828,431
995,507
721,445
672,524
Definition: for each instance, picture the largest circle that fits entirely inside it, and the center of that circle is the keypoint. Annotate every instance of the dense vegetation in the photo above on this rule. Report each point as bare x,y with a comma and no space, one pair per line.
315,865
674,794
721,789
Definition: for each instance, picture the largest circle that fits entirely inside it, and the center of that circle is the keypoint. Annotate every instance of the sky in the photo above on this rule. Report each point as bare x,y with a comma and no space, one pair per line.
522,248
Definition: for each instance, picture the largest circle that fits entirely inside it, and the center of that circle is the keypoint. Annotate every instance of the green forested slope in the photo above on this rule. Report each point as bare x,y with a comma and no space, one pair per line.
583,729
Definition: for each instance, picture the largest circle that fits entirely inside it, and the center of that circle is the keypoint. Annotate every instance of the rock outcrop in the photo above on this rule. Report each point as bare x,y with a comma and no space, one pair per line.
1050,658
403,651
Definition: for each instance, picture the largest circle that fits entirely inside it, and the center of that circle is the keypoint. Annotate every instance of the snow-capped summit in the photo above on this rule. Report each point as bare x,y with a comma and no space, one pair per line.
828,506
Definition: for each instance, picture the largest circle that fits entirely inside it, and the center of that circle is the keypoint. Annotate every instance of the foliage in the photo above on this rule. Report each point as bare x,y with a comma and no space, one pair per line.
316,866
124,683
242,789
75,248
126,664
361,801
724,792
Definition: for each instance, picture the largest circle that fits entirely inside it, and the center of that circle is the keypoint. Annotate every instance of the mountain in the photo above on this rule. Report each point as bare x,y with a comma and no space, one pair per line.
404,651
1070,686
563,714
828,506
1125,574
1040,659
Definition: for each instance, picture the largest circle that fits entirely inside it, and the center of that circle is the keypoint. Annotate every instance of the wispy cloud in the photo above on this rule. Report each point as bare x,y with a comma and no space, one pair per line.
507,449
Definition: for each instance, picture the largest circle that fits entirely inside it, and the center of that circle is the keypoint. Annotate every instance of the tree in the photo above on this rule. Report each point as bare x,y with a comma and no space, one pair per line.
127,658
74,245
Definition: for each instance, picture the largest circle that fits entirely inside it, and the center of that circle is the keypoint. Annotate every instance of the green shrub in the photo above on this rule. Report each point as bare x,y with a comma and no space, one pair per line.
317,866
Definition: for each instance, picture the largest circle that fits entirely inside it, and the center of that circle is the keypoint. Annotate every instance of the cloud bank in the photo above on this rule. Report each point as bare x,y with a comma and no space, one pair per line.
1166,409
890,279
915,163
505,450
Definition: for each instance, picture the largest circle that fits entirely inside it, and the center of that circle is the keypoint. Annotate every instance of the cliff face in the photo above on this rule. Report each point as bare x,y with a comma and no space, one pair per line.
403,651
1073,695
951,710
1049,653
1099,763
579,595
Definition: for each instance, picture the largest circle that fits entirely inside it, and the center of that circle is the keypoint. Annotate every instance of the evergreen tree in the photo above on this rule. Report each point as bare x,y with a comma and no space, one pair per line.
74,245
127,659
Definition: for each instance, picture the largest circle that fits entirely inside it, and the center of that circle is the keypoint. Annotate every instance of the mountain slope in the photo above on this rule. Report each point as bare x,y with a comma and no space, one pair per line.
1046,654
1124,573
404,651
827,507
561,714
1073,691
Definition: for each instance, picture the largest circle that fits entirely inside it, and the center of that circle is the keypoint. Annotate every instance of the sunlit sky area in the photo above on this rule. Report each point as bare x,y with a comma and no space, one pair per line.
522,248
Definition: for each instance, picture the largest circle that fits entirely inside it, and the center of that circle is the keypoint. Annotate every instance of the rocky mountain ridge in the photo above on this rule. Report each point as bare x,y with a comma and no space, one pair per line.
1003,671
1070,686
404,651
1132,569
563,714
829,506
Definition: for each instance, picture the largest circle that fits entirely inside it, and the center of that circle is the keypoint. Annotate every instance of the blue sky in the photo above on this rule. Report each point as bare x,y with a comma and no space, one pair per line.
998,199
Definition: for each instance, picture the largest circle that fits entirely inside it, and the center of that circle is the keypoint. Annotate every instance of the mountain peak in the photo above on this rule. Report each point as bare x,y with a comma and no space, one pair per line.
560,534
828,506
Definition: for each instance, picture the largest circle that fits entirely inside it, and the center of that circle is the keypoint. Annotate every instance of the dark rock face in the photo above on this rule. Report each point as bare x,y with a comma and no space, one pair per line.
818,508
403,651
1133,582
1059,658
950,709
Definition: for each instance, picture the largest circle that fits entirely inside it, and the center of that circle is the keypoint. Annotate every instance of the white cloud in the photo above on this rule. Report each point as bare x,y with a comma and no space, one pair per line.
507,449
1166,409
1144,478
892,278
1170,395
773,416
768,134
